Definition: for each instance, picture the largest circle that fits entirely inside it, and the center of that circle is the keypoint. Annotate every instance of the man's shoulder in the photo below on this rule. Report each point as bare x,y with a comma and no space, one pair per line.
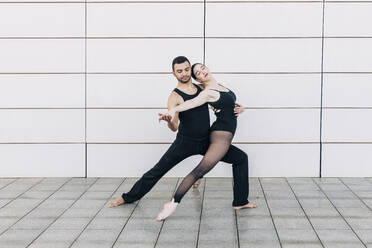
175,97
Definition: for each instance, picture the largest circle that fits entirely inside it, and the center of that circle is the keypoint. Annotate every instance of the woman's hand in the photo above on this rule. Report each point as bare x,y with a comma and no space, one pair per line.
238,109
168,117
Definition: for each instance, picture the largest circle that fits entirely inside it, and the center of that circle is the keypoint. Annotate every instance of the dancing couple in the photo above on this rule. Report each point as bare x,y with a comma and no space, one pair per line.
189,114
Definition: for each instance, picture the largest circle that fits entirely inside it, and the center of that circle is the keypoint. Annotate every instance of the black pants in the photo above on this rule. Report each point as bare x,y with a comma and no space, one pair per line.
182,148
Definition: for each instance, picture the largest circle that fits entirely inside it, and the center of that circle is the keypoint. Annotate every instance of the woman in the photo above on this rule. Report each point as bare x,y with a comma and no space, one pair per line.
222,131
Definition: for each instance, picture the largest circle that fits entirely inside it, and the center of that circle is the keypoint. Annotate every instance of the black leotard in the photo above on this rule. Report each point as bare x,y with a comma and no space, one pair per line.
224,110
194,123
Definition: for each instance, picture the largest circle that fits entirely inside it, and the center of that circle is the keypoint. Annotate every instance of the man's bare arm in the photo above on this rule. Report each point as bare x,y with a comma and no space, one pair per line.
173,101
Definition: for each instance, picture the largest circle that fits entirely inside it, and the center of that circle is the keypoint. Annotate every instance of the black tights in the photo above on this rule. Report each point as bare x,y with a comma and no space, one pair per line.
220,142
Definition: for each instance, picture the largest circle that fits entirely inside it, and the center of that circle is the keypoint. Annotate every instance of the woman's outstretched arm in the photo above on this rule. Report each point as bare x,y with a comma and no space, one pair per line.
202,98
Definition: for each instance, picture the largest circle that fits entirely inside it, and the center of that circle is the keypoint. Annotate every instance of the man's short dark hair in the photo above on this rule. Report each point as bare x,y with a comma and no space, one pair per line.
179,60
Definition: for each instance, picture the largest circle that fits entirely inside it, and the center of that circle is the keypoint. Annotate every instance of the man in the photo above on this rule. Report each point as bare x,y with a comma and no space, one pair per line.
192,139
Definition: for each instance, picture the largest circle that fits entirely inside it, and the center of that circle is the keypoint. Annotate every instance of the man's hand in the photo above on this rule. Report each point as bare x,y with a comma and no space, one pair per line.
238,109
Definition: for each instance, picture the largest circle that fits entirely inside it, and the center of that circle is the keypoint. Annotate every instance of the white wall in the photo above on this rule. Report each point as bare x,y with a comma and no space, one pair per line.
81,83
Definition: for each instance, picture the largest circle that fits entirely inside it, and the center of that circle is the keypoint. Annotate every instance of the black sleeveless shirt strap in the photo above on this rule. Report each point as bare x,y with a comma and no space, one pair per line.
198,87
178,92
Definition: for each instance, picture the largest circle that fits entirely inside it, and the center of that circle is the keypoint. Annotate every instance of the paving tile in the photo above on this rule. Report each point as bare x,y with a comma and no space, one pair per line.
256,236
275,187
364,194
143,223
360,223
279,194
365,236
181,224
273,203
18,238
171,244
350,203
255,222
260,244
8,221
135,244
81,203
98,235
327,180
7,194
3,202
66,195
304,187
70,223
54,204
36,195
33,223
145,235
17,212
171,236
80,212
341,194
122,211
215,222
292,223
63,236
329,223
310,194
333,187
300,180
357,188
343,244
322,212
49,244
315,203
24,203
301,244
92,244
97,187
287,212
362,212
216,244
107,223
291,236
94,195
337,236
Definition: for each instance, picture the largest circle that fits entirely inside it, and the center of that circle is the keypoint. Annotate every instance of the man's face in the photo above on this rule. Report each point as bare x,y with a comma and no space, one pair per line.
182,72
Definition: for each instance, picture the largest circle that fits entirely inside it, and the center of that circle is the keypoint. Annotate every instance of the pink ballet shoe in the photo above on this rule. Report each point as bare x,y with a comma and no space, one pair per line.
168,209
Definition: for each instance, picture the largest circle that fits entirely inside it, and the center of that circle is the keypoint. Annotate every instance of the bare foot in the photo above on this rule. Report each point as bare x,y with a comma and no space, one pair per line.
168,209
197,183
118,201
248,205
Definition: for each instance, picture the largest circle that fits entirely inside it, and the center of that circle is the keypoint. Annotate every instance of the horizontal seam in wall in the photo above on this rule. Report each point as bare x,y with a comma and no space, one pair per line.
167,143
181,2
161,2
153,73
164,108
169,73
178,37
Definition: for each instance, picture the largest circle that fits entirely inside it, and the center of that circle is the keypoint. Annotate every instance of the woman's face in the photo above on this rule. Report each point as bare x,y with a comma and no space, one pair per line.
202,73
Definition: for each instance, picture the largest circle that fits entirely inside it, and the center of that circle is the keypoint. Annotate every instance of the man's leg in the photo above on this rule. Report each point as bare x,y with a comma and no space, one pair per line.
239,161
177,152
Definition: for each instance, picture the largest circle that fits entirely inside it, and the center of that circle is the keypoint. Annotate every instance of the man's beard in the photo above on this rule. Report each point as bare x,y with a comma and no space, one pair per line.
184,81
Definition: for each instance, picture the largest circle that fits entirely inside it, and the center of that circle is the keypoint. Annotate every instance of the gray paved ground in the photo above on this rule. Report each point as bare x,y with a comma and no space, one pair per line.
293,212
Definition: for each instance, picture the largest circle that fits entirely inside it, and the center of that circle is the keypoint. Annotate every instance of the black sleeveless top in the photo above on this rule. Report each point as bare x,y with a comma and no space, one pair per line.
194,123
224,111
